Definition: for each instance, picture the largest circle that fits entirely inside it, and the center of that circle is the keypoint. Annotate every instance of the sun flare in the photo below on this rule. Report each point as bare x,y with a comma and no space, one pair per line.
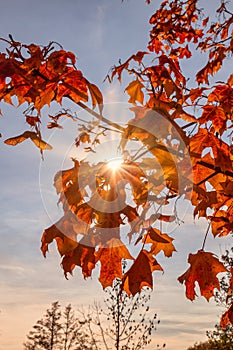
115,164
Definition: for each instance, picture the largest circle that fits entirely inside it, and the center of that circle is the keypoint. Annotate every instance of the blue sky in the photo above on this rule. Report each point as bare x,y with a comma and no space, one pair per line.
99,33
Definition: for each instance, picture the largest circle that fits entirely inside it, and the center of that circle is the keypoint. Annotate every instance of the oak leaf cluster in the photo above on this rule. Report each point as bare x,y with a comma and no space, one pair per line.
190,150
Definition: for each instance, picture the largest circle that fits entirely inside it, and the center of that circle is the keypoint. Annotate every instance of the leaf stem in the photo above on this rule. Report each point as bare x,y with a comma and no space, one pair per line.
206,234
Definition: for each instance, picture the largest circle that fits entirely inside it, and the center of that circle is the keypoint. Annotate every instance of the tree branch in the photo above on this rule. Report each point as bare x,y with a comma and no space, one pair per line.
100,117
217,170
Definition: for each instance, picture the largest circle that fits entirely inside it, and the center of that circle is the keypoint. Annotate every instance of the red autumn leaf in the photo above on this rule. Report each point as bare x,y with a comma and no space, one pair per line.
230,288
156,46
203,270
227,318
220,224
73,85
111,261
52,125
139,56
230,80
185,52
119,69
46,96
216,115
205,21
67,185
131,213
195,94
57,60
140,273
213,65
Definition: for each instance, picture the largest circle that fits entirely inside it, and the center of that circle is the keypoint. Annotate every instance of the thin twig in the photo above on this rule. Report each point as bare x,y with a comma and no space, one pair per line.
100,117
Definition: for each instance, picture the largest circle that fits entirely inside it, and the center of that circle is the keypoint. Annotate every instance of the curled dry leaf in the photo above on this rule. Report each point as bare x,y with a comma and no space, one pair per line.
35,138
96,96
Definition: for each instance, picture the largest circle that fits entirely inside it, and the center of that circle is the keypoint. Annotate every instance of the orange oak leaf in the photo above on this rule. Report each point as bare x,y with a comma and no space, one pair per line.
139,129
213,65
134,90
83,256
201,173
67,184
65,233
140,273
203,270
216,115
46,96
64,178
206,139
85,213
185,52
160,241
221,223
111,261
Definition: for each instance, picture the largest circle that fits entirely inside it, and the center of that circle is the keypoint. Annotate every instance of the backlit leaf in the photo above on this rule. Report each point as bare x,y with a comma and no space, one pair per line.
111,261
134,90
96,96
140,273
204,267
160,242
227,318
82,256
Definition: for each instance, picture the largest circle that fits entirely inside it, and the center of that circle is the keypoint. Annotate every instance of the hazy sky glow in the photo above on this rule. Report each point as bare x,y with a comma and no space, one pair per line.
99,33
